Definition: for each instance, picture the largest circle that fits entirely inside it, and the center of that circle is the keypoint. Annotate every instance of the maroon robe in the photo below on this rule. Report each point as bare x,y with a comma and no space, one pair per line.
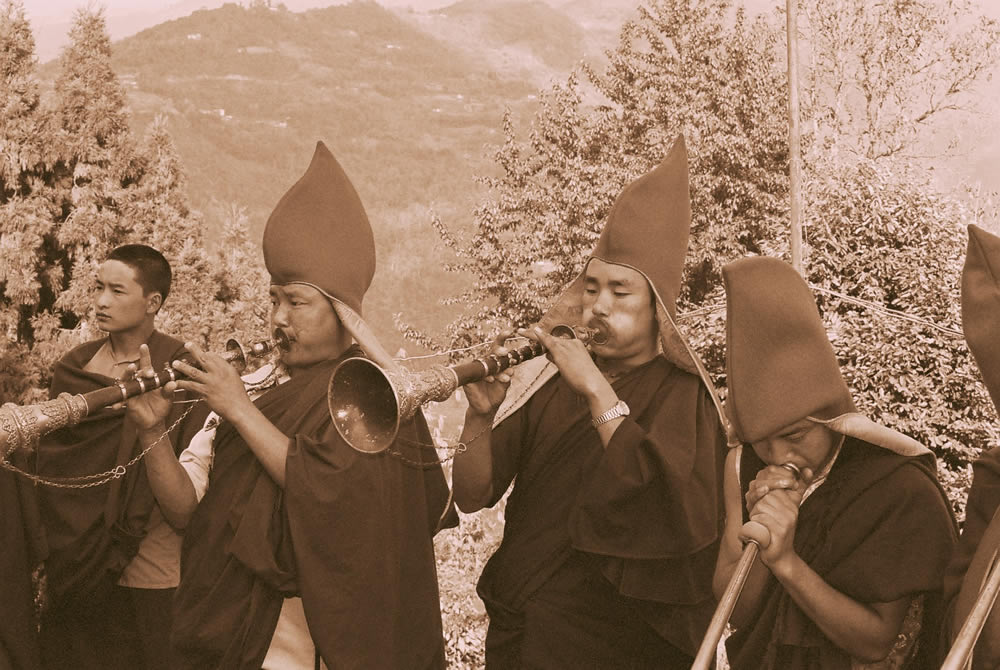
877,530
607,554
93,533
350,532
20,555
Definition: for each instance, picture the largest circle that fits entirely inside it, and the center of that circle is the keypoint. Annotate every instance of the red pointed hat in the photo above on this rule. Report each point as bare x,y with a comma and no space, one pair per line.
318,234
981,305
647,230
780,366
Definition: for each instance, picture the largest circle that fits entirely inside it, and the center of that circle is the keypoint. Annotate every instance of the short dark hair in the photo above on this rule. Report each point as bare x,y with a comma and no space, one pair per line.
152,270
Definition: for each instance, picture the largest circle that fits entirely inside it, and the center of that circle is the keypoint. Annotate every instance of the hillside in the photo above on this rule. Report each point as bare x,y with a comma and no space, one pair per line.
409,113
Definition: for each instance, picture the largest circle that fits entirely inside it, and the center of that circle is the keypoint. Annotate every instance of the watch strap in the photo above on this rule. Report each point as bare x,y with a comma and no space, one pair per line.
620,409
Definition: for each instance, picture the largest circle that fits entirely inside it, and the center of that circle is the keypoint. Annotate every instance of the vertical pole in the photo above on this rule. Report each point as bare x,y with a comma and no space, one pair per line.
794,150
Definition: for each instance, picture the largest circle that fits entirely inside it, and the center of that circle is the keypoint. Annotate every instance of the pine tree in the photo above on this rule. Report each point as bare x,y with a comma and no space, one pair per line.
26,207
99,159
63,213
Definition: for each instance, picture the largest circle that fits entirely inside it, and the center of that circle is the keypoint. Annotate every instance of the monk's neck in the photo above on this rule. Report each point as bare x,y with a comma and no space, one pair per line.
125,343
614,368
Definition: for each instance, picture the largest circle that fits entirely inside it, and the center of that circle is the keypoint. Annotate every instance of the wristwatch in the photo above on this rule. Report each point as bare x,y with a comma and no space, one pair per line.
620,409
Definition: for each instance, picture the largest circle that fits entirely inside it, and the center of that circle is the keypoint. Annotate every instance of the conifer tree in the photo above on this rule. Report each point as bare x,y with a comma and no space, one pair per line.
99,159
26,207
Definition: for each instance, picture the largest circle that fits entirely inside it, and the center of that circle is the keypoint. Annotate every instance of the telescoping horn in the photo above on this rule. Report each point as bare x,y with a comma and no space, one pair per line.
368,404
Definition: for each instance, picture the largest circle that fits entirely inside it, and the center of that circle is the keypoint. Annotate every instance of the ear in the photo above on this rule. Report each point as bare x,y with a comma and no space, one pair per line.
153,302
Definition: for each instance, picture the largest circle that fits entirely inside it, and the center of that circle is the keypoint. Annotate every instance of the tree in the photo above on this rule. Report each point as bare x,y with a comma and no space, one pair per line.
881,73
61,214
695,67
876,230
26,208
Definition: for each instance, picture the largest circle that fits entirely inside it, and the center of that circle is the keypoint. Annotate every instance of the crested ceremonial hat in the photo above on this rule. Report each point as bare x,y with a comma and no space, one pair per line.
318,234
780,365
981,305
647,230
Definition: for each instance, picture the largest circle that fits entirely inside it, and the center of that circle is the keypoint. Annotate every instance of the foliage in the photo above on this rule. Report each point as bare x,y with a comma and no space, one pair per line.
878,232
681,67
877,97
875,229
62,213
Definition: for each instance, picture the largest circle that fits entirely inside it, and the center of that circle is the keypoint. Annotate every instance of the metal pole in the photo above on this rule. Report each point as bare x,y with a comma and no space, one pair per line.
794,149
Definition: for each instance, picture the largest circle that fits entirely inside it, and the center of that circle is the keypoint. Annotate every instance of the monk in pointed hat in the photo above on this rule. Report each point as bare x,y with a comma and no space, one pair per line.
303,551
615,453
852,551
980,541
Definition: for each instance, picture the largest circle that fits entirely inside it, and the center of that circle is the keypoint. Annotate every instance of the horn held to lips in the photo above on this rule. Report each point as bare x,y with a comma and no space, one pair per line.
368,403
717,626
22,425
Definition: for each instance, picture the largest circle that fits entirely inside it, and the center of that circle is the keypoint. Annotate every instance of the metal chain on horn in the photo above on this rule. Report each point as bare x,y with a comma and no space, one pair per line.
100,479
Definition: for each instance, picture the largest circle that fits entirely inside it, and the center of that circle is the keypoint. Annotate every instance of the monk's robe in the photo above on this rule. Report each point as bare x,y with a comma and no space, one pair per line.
982,504
21,553
607,554
93,533
350,533
878,529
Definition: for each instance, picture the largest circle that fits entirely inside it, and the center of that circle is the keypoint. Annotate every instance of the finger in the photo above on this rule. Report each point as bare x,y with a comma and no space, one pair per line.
197,353
186,369
192,386
129,372
754,531
755,493
528,333
502,337
544,338
145,360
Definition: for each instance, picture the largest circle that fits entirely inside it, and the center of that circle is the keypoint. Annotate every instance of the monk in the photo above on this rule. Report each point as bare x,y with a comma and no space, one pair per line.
300,543
114,555
853,549
615,454
980,539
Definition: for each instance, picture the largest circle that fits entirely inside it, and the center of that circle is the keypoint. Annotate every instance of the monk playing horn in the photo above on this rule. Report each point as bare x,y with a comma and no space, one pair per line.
612,527
852,553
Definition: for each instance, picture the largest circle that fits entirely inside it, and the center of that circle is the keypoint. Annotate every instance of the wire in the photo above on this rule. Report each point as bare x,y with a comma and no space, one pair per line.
882,309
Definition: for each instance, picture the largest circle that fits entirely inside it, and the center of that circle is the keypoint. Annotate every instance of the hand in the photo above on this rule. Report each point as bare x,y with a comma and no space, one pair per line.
486,396
149,410
572,358
215,380
776,478
772,526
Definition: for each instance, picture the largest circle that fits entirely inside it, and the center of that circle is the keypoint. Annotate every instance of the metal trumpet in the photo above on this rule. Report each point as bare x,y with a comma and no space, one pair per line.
21,426
368,404
717,626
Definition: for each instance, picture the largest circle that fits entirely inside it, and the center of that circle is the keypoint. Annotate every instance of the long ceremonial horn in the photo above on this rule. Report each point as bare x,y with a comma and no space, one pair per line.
22,425
961,651
717,626
368,404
